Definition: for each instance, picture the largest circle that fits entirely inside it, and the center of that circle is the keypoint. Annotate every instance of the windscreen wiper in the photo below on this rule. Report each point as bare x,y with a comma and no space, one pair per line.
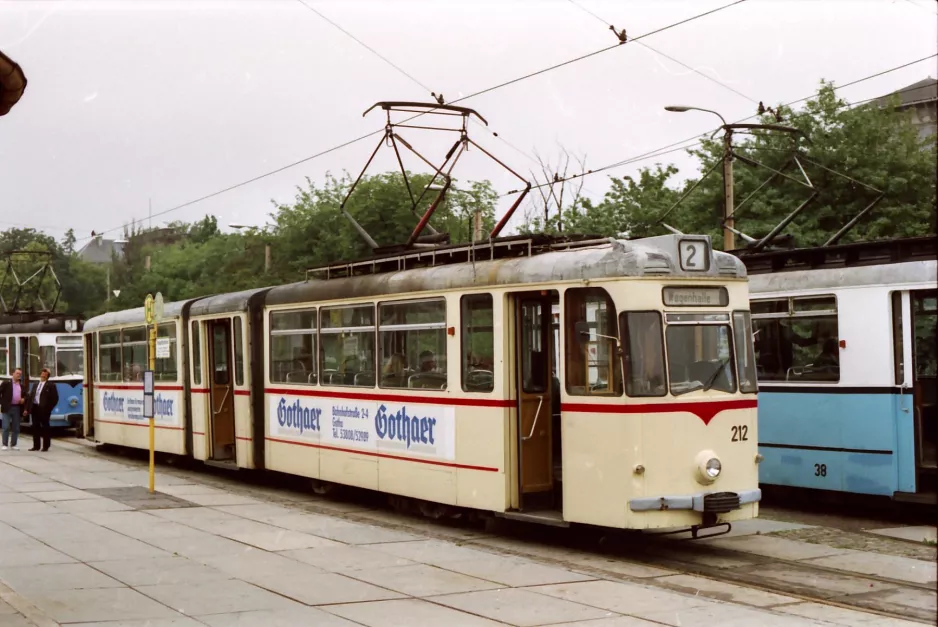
713,378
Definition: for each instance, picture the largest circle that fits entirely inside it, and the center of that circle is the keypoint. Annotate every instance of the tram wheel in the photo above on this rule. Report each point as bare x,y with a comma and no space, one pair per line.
322,488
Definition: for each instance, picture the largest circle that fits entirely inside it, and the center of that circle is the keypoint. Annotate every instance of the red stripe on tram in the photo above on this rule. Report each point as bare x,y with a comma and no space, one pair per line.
705,410
138,386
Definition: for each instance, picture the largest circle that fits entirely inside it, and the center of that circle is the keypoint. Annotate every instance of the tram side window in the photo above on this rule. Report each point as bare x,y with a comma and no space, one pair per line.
293,347
109,360
745,354
347,337
643,353
238,352
413,344
134,353
797,339
592,365
166,366
898,347
196,355
3,356
478,343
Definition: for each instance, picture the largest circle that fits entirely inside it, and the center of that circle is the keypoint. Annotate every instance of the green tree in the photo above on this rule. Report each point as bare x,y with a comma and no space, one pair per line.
870,144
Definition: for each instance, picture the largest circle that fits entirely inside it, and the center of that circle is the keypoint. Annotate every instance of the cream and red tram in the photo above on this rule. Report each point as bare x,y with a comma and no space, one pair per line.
603,382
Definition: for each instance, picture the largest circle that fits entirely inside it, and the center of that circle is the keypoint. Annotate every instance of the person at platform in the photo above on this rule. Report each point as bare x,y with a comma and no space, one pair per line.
42,401
13,395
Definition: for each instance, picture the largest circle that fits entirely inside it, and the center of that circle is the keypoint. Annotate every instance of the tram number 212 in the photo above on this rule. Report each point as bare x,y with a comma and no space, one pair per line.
740,433
820,470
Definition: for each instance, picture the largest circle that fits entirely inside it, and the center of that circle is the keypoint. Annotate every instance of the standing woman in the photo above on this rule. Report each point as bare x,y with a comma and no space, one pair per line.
42,401
13,396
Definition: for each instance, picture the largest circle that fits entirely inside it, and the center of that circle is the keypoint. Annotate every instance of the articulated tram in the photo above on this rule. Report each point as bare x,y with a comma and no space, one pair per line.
32,342
848,376
593,381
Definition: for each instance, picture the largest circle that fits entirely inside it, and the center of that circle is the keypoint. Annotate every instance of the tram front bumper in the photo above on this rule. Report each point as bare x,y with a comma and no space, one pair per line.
716,502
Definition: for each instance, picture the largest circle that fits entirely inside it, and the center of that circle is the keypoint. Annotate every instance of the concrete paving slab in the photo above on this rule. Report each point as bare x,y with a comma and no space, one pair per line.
31,554
227,498
197,544
615,565
263,512
843,616
16,497
13,511
407,613
923,533
618,621
722,591
775,547
69,494
17,620
725,615
521,607
740,560
190,488
514,571
900,601
198,517
216,597
621,597
343,559
142,478
887,566
310,616
39,486
270,538
433,552
296,580
6,609
106,545
103,604
182,621
158,571
812,582
25,579
141,498
421,580
340,530
90,505
89,481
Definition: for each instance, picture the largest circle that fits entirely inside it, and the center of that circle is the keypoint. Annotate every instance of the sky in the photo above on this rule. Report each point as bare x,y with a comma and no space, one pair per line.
133,104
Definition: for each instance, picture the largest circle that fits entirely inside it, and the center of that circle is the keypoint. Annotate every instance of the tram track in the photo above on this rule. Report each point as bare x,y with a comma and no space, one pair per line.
584,549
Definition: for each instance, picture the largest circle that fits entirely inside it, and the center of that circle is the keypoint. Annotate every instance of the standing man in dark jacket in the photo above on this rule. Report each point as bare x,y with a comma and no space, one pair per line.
42,400
13,396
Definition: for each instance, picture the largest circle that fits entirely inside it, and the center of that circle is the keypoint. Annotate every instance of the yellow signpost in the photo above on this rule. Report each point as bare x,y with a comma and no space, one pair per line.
149,315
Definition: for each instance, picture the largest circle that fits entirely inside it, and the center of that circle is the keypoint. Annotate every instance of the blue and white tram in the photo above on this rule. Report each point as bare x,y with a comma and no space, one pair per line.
845,342
54,342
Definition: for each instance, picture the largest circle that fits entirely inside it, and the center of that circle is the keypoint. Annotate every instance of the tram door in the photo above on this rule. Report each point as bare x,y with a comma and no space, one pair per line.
925,384
534,379
222,390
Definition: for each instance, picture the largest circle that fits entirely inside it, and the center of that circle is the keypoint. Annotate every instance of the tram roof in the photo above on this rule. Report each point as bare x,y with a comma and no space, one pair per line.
31,325
225,303
133,316
609,258
908,273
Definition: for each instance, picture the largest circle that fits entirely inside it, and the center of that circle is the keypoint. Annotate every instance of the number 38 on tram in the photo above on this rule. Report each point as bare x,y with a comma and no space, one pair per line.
600,381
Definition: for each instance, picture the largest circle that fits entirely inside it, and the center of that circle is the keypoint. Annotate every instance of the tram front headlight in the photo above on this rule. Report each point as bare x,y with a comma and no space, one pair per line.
708,467
713,468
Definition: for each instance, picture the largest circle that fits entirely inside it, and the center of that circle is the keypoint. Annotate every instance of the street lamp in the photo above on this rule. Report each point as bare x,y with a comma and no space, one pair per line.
729,235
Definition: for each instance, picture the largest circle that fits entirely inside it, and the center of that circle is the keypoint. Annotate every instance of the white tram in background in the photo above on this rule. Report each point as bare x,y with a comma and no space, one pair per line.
602,382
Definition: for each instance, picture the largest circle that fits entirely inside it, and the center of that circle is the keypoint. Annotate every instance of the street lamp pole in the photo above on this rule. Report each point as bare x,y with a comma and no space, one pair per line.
238,227
729,223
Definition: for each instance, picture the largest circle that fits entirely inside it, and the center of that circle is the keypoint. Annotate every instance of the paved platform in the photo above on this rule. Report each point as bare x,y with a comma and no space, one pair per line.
82,542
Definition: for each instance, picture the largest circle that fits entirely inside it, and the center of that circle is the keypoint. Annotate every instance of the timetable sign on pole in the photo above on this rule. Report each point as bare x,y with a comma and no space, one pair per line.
148,394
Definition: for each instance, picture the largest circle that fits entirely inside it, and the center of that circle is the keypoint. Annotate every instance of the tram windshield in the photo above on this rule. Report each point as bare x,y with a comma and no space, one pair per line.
700,353
69,363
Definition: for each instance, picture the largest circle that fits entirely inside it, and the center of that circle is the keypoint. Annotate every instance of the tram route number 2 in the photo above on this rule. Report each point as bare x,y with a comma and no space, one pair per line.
740,433
820,470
